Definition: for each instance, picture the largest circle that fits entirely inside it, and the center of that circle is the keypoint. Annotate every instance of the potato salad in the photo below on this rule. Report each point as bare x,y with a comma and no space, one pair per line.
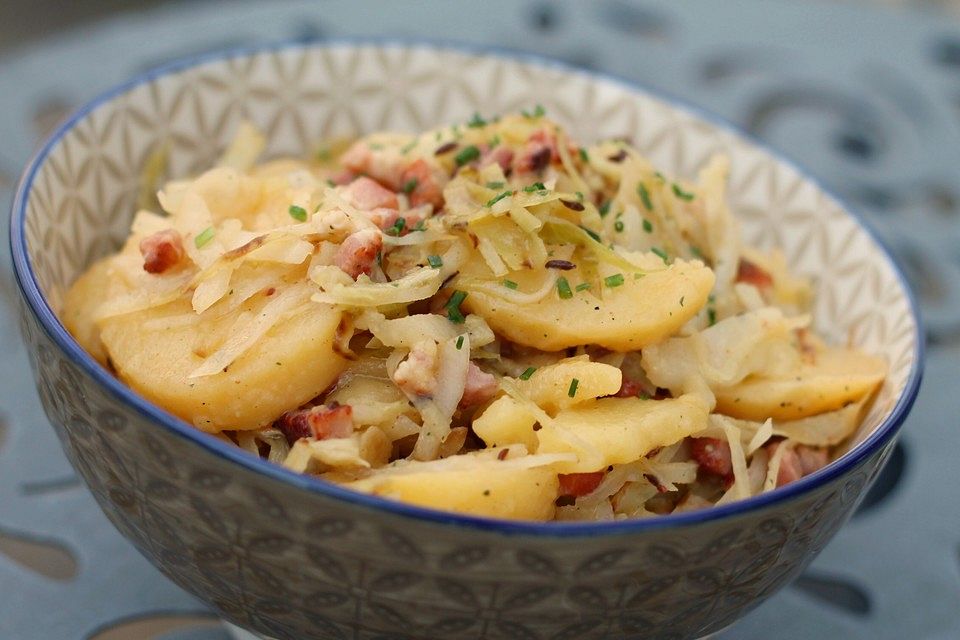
486,318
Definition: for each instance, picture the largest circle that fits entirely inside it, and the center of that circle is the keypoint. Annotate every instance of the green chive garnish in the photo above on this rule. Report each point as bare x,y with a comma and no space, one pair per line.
297,213
645,197
696,252
583,155
497,198
510,284
526,374
495,185
536,186
410,185
563,288
660,252
613,281
579,196
397,227
476,121
592,234
680,193
331,183
604,208
583,286
647,226
459,342
420,226
572,391
538,112
467,154
618,226
205,236
494,141
712,316
408,147
454,314
435,261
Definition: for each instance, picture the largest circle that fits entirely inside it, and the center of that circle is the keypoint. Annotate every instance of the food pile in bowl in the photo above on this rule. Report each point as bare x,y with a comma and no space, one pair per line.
486,318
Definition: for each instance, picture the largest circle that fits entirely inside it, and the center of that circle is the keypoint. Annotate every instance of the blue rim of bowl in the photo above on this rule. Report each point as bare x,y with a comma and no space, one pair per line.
30,290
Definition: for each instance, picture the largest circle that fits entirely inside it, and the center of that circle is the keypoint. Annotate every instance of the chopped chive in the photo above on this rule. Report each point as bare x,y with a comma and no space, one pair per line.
323,154
397,227
613,281
572,391
494,141
510,284
536,186
538,112
583,286
379,258
696,252
420,226
495,199
680,193
297,213
459,343
205,236
645,196
405,149
647,226
660,176
476,121
331,182
592,234
454,314
579,196
712,316
563,288
583,155
495,185
410,185
618,226
660,252
435,261
467,154
526,374
604,208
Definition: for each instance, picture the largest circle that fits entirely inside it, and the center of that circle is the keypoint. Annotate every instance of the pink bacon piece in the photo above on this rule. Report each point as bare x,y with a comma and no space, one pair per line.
358,252
321,423
161,251
480,387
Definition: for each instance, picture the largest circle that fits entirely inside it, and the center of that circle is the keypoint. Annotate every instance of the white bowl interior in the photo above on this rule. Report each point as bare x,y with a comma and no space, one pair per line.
84,195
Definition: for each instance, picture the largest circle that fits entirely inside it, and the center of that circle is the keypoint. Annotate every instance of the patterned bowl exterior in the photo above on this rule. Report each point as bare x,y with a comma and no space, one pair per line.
292,557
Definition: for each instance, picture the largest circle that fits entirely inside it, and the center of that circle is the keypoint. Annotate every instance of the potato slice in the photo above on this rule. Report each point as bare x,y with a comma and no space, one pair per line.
506,422
549,386
80,307
473,483
156,350
620,430
837,378
628,317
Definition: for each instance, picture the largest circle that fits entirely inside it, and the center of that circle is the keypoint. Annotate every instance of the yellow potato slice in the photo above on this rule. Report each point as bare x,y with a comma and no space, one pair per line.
837,378
628,317
620,430
155,353
549,386
476,484
80,307
506,422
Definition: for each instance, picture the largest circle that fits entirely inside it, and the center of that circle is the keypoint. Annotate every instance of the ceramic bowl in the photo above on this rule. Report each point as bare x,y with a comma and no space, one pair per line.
290,556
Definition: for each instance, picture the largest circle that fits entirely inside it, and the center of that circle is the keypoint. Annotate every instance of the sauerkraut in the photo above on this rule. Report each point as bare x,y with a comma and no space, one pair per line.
485,318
